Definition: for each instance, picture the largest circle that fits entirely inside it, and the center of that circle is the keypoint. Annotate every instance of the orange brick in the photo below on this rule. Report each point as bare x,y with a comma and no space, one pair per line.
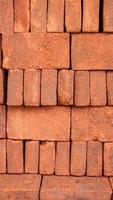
91,15
15,156
49,87
32,87
38,15
108,16
110,87
15,87
55,16
98,88
65,87
78,158
108,159
2,87
62,158
94,158
73,15
47,158
31,156
92,51
2,121
21,15
2,156
82,93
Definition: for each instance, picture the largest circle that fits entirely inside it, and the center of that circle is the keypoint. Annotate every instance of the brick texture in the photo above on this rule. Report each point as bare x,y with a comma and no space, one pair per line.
2,156
107,16
108,159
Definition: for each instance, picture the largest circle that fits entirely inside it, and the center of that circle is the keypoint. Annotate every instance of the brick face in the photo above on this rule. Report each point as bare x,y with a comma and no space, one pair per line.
107,16
108,159
2,156
2,121
110,87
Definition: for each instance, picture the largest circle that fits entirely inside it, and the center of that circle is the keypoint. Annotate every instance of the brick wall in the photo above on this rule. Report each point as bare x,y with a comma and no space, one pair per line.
56,99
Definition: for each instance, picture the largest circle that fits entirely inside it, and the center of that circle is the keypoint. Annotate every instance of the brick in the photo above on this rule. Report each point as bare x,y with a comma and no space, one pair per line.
14,156
91,15
62,158
32,87
49,87
15,87
94,158
92,51
110,87
38,15
78,158
21,15
61,188
55,16
73,15
2,156
98,88
2,121
47,158
108,16
108,159
25,186
37,123
82,93
2,87
31,156
65,87
92,123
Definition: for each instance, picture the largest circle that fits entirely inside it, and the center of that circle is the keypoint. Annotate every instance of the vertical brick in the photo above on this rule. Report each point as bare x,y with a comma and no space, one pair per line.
108,159
94,158
21,15
15,156
62,158
15,87
2,121
48,87
31,156
65,87
82,93
47,158
55,21
2,156
108,16
73,15
78,158
38,15
91,15
32,87
2,87
98,88
110,87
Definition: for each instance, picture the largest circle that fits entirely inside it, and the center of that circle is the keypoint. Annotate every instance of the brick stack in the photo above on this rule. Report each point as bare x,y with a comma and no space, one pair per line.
56,99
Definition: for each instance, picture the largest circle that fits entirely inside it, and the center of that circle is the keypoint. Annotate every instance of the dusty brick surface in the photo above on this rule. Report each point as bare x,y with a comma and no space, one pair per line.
3,156
108,159
2,87
2,121
110,87
108,16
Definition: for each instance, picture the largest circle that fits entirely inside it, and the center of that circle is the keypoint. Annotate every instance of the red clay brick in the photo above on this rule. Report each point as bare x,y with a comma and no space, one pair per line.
78,158
42,123
2,87
32,87
31,156
15,156
2,156
62,158
108,16
55,16
65,87
47,158
82,93
2,121
110,87
92,51
108,159
98,88
49,87
15,87
94,158
38,15
73,15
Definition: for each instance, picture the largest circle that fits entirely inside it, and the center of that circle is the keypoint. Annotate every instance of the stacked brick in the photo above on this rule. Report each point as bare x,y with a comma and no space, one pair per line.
56,98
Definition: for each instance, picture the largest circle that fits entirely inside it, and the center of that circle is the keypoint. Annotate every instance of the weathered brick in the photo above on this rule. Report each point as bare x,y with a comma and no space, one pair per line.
49,87
2,87
110,87
2,156
14,156
2,121
98,88
42,123
65,87
38,15
78,158
32,87
55,16
31,156
108,16
47,158
62,158
94,158
73,15
92,51
108,159
15,87
82,93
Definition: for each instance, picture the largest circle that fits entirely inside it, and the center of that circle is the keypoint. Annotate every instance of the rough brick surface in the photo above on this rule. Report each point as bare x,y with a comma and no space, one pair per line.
2,121
110,87
108,16
2,87
2,156
108,159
